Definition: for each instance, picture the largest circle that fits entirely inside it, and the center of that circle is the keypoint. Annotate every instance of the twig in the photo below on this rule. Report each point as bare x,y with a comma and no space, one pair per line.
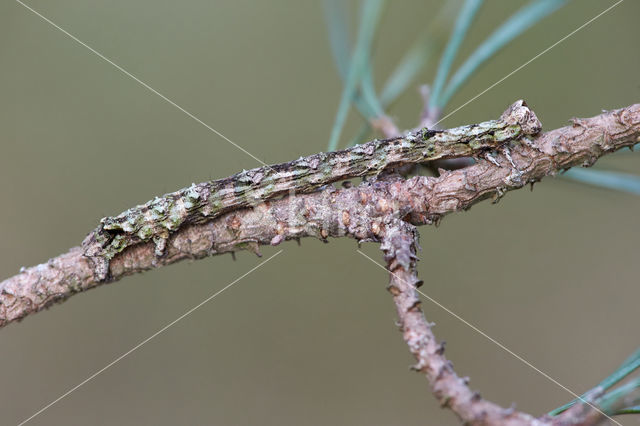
386,210
399,247
353,212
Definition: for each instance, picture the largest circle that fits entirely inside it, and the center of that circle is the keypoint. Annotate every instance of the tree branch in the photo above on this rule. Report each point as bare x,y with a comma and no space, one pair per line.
357,212
386,209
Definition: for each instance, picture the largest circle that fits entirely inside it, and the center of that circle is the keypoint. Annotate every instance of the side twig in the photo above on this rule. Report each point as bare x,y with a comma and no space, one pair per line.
399,247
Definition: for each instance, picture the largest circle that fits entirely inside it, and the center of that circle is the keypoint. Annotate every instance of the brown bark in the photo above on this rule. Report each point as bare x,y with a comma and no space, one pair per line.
399,247
399,244
355,212
386,210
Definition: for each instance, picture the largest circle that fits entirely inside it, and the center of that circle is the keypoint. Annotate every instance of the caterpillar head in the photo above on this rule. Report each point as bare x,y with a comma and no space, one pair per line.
519,113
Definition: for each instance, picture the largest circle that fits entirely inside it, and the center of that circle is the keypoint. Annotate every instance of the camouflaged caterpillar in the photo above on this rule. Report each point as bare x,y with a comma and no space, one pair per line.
159,218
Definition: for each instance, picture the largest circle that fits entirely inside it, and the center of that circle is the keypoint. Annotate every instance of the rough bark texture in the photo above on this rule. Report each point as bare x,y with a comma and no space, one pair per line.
350,211
399,247
399,244
386,209
157,219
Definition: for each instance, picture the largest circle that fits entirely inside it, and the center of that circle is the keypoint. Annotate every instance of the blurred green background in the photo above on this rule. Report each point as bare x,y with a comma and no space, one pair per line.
309,338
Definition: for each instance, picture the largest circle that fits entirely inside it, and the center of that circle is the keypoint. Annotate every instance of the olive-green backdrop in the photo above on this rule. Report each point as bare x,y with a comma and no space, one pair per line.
309,338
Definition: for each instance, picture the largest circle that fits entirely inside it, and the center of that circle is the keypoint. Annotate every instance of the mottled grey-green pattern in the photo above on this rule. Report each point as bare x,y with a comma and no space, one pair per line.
158,218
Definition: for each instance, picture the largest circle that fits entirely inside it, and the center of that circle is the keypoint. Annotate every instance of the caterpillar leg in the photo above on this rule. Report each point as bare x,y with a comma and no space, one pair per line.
100,267
160,243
